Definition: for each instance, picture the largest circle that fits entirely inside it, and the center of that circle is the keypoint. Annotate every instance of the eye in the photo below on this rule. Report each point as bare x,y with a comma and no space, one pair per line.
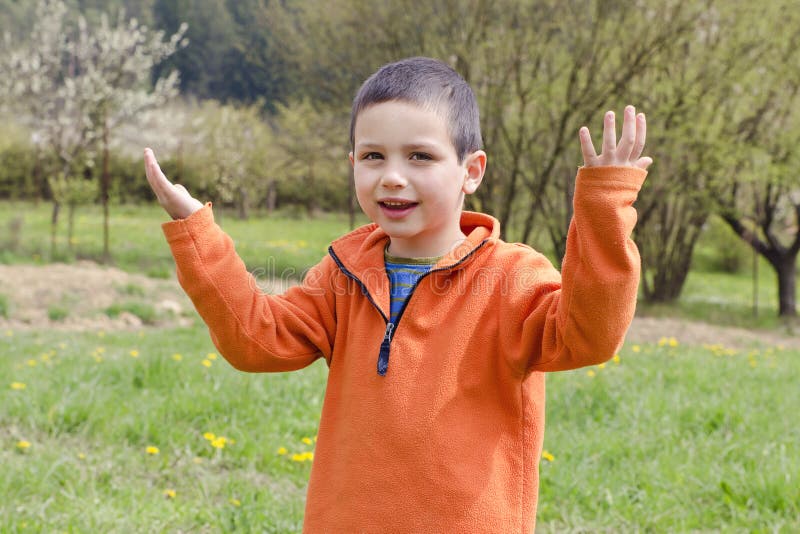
371,156
421,156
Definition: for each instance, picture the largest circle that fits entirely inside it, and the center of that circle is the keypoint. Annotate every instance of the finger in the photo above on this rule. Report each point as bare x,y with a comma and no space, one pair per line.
644,162
641,134
587,147
157,180
628,137
609,134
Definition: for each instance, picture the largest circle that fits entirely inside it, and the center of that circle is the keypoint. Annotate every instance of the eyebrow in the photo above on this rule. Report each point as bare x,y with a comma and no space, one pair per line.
409,146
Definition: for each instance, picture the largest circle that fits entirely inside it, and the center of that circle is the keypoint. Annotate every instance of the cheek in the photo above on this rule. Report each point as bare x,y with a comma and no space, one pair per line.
363,191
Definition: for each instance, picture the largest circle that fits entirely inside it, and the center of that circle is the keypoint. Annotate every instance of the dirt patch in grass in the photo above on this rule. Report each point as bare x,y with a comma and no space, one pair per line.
77,297
88,296
652,329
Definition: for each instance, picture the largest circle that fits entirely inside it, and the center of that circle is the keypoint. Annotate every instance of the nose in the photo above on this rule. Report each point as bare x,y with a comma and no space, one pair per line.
393,178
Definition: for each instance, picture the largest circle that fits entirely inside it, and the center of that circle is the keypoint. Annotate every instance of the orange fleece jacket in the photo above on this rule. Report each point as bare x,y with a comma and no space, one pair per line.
450,438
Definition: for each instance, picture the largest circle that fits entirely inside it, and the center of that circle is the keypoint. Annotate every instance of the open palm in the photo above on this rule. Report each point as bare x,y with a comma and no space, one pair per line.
174,198
626,153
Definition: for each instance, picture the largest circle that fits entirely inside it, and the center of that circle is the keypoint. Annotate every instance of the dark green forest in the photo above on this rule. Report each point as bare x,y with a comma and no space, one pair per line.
231,57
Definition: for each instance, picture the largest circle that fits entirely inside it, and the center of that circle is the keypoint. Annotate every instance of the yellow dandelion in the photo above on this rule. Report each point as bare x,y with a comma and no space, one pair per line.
616,359
590,373
170,493
206,363
753,363
307,441
152,450
547,456
636,348
177,357
9,333
18,385
100,350
315,439
663,341
81,456
22,444
282,451
98,359
211,356
219,443
62,345
32,363
210,436
101,334
134,353
601,366
672,342
235,502
302,456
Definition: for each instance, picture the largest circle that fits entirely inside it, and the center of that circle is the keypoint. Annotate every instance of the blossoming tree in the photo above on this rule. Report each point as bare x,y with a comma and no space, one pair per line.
74,84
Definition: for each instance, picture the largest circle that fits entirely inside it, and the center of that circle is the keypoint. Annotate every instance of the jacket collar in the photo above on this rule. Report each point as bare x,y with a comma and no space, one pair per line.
360,253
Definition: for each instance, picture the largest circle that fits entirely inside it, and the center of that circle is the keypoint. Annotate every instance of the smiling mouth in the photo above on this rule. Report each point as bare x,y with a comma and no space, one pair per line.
397,204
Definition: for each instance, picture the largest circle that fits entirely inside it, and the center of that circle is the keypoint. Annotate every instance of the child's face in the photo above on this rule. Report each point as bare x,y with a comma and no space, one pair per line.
408,179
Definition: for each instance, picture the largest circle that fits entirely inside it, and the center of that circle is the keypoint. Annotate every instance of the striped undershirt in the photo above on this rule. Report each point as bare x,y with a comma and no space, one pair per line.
403,275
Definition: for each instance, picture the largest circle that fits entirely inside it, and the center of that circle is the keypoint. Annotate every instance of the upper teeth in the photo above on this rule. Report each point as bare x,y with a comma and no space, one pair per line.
394,203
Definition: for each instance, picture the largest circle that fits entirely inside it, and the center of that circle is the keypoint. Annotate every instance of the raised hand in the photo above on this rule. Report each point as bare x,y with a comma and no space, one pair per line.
174,198
626,153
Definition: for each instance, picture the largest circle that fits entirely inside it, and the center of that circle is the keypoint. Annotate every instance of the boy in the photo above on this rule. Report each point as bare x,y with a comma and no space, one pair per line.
437,334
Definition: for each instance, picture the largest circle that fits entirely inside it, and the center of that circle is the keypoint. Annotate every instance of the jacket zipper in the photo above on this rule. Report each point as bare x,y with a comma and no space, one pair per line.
391,327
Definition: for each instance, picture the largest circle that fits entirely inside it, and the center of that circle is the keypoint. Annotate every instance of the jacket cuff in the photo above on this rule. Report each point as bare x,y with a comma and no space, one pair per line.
193,224
628,175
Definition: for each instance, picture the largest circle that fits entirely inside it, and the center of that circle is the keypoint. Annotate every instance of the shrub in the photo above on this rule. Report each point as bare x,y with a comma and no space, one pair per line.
57,313
143,311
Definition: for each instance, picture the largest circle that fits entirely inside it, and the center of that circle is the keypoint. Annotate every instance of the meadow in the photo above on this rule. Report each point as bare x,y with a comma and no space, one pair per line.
149,430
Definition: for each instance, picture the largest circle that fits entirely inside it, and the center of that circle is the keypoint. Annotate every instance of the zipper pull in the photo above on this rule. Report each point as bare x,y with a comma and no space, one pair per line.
383,356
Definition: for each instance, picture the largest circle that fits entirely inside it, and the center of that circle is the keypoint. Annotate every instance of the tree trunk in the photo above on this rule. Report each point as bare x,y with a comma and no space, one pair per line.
272,196
243,212
787,286
105,187
54,228
782,259
70,226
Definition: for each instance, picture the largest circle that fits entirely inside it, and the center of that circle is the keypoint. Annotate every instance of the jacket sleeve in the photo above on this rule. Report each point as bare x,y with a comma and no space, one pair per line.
583,318
253,331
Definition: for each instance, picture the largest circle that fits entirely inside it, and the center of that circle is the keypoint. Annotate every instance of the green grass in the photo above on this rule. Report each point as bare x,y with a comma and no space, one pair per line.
270,246
91,406
683,439
680,439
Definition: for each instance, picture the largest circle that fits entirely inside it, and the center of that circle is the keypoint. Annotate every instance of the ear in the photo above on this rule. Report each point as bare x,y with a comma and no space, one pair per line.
350,157
474,167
